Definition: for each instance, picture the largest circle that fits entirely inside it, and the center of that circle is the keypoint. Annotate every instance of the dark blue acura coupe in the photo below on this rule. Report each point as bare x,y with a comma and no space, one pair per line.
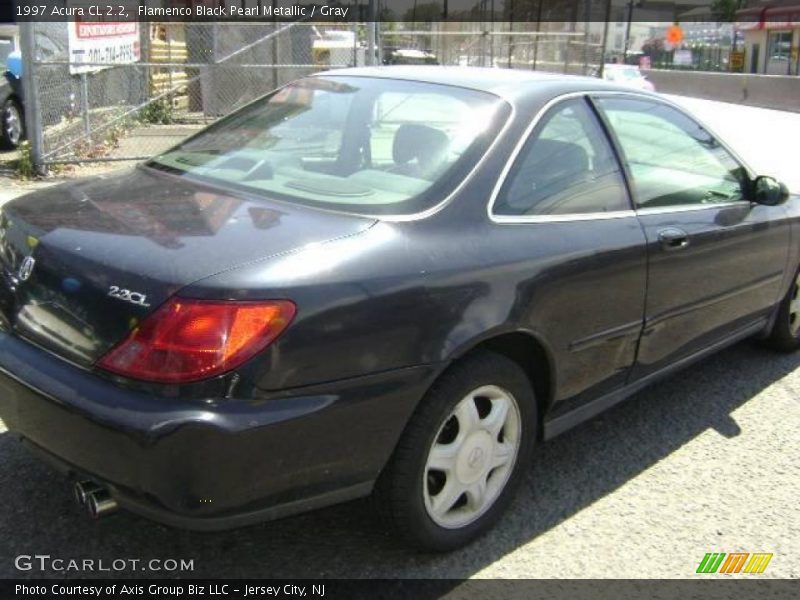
389,281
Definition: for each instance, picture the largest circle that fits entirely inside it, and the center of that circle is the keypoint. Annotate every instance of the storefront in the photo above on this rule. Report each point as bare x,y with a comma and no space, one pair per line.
771,39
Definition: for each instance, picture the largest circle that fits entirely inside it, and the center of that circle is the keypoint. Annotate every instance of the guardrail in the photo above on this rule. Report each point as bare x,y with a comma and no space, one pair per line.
766,91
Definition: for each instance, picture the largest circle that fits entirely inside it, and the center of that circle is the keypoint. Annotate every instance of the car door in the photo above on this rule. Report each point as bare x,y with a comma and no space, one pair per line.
715,259
576,250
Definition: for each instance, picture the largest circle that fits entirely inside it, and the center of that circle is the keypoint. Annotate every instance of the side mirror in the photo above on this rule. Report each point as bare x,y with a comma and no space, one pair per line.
769,191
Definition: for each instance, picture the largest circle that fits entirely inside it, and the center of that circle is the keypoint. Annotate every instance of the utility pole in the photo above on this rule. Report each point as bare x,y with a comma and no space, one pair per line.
604,46
536,37
32,112
628,33
371,33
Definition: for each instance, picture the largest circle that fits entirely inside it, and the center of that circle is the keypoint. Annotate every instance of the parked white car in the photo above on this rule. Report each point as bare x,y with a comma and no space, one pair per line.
628,75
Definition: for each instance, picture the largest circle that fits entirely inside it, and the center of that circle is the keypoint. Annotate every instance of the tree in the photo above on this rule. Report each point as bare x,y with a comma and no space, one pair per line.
422,13
654,48
725,10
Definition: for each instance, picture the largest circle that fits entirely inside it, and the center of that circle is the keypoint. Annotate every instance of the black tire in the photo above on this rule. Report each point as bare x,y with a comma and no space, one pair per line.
8,139
400,492
785,333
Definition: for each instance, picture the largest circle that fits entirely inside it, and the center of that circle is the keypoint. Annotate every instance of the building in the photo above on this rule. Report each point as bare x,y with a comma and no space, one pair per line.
634,23
771,32
9,41
627,39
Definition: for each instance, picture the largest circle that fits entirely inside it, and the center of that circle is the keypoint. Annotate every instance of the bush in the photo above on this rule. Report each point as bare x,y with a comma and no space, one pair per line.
158,112
25,167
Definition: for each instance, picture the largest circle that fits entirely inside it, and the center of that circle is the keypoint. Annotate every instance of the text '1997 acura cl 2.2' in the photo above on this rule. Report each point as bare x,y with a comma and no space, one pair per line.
389,281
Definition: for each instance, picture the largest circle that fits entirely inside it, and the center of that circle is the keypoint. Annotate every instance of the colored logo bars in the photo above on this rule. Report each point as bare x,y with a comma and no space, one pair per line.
736,562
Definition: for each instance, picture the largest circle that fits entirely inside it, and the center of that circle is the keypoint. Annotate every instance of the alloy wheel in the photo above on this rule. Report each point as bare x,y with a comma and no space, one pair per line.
794,308
12,123
472,457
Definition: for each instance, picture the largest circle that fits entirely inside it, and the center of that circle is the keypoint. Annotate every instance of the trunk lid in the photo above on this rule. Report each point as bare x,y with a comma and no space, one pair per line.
82,263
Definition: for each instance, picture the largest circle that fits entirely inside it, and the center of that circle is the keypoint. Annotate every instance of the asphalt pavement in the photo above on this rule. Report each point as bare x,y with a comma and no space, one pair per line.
705,461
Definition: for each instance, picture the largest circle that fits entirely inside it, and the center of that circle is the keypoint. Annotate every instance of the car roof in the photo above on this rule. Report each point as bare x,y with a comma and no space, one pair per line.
510,84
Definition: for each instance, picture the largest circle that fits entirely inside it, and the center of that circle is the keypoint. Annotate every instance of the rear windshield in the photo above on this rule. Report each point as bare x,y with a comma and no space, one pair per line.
354,144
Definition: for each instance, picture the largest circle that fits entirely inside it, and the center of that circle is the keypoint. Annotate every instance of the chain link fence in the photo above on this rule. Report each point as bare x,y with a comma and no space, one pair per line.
575,48
90,108
187,75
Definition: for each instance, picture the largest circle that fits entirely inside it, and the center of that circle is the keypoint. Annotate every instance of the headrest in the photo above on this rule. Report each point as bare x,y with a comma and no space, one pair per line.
424,143
560,157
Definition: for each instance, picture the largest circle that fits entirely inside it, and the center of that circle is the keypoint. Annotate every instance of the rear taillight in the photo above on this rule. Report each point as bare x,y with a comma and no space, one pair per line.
188,340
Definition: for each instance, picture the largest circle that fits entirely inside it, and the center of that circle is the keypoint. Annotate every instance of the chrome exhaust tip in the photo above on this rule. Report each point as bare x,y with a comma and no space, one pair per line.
83,489
100,504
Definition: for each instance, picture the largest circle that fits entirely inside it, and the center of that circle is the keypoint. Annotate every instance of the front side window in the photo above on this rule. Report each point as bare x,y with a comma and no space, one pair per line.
354,144
566,167
673,161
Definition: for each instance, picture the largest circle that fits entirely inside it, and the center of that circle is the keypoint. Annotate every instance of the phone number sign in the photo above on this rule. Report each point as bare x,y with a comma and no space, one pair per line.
96,45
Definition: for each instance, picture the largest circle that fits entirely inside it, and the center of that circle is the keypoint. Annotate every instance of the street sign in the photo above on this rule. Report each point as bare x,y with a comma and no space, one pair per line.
107,42
682,58
674,35
737,62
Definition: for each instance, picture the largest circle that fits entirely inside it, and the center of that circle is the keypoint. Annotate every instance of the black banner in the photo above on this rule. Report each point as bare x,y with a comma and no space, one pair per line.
7,11
716,587
416,11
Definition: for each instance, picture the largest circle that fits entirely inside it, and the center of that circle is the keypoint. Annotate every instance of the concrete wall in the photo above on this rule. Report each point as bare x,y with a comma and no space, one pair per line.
767,91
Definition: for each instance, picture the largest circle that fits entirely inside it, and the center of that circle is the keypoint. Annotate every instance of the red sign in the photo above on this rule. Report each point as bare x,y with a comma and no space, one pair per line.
93,29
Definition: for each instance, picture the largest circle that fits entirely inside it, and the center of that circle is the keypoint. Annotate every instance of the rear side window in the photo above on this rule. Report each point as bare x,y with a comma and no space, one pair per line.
566,167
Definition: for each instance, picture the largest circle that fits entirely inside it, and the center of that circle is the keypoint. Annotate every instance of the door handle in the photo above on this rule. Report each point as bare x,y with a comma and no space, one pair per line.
673,238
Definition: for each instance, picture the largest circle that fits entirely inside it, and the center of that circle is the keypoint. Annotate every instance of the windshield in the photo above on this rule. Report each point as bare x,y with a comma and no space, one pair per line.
363,145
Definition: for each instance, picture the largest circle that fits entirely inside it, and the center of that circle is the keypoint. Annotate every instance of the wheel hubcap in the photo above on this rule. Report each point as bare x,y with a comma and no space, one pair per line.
472,457
13,124
794,308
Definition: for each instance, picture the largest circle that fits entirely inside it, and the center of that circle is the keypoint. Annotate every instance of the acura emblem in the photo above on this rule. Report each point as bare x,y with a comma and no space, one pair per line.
26,268
475,457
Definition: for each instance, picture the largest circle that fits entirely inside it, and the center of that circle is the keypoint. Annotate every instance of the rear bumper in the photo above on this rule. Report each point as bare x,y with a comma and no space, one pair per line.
215,464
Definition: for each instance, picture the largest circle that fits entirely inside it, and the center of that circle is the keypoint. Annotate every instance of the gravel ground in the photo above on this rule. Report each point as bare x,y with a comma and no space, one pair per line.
705,461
